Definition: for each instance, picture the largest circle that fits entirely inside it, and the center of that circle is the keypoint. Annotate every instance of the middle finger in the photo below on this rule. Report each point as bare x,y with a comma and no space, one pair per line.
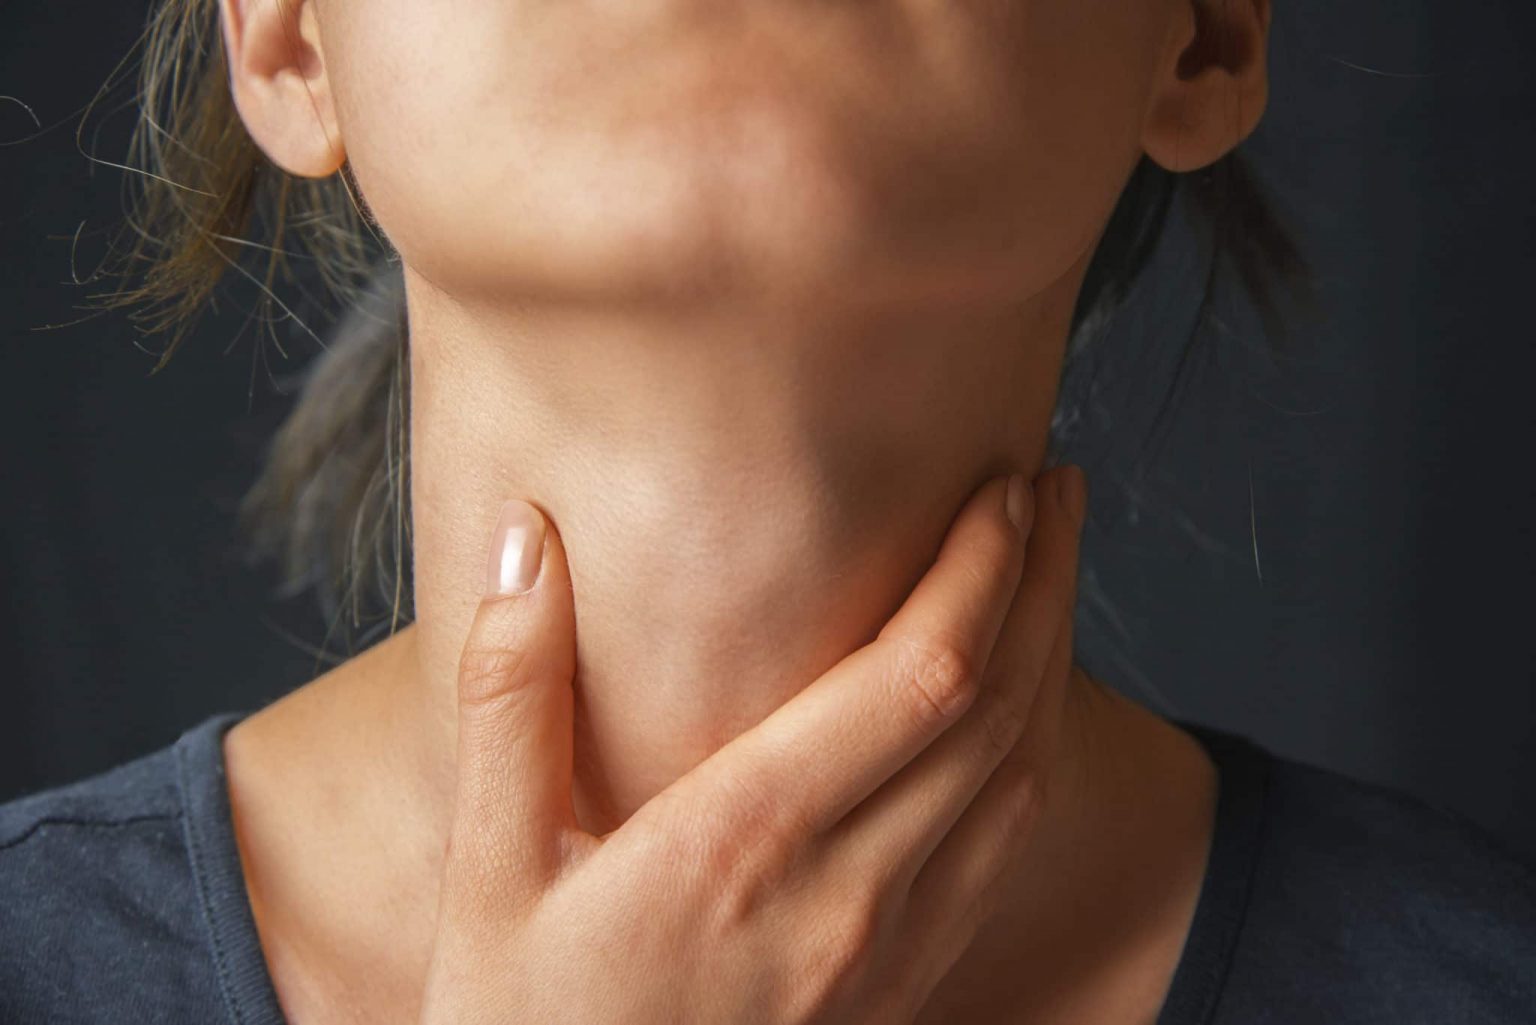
896,829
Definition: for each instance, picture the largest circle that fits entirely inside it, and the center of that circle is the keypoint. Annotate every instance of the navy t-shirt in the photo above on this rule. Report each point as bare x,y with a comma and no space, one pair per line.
1325,900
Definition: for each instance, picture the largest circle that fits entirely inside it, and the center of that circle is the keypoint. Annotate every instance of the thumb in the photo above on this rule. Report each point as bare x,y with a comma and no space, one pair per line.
513,806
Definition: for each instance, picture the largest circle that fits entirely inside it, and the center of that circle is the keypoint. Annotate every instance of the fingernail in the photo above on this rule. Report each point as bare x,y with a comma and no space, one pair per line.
1074,494
517,550
1016,504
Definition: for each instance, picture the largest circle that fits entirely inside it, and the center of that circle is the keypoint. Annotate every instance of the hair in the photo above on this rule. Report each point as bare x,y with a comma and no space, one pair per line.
331,504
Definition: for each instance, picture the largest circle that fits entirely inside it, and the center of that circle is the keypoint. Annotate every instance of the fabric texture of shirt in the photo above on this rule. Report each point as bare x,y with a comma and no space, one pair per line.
1325,900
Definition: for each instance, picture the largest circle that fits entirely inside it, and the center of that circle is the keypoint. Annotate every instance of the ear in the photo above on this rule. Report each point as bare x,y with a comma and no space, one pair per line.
1213,85
277,76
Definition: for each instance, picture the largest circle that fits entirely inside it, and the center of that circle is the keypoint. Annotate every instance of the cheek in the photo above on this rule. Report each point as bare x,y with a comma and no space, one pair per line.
1042,118
1089,70
412,83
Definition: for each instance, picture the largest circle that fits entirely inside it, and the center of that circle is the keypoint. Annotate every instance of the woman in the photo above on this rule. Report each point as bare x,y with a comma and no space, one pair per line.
740,683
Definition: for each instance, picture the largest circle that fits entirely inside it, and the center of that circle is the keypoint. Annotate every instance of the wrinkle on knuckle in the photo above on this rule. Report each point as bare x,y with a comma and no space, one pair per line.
851,946
486,674
736,858
1002,724
977,560
1025,803
743,884
940,679
840,955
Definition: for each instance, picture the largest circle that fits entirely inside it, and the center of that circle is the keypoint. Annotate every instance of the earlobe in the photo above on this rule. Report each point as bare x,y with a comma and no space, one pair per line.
277,75
1213,83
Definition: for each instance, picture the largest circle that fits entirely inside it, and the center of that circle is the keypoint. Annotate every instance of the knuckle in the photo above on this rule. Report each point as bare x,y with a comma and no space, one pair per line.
838,961
745,882
942,679
739,893
738,857
976,562
965,926
1002,724
853,937
488,673
989,563
1025,803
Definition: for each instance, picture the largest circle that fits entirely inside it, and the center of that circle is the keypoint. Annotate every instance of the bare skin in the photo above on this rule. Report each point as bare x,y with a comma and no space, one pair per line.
748,298
343,872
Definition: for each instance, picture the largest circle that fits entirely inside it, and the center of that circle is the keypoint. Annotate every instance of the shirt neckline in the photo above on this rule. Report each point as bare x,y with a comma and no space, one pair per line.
1243,770
208,829
250,996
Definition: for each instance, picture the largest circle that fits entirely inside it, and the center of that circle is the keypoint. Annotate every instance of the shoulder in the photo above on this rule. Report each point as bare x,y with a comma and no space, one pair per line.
1368,904
98,906
140,790
1353,840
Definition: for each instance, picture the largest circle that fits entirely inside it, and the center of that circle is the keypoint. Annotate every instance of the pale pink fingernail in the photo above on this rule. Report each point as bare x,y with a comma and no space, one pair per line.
1017,499
517,550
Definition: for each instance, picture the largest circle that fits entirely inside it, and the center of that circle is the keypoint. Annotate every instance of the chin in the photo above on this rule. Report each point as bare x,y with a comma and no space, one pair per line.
735,189
770,212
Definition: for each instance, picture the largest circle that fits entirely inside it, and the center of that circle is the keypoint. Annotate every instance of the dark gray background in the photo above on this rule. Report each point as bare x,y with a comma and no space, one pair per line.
1379,471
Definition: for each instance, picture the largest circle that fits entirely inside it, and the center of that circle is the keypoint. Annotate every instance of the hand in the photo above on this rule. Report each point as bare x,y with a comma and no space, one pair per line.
828,865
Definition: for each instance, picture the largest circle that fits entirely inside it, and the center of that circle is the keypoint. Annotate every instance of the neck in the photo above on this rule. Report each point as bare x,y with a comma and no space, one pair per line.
743,500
